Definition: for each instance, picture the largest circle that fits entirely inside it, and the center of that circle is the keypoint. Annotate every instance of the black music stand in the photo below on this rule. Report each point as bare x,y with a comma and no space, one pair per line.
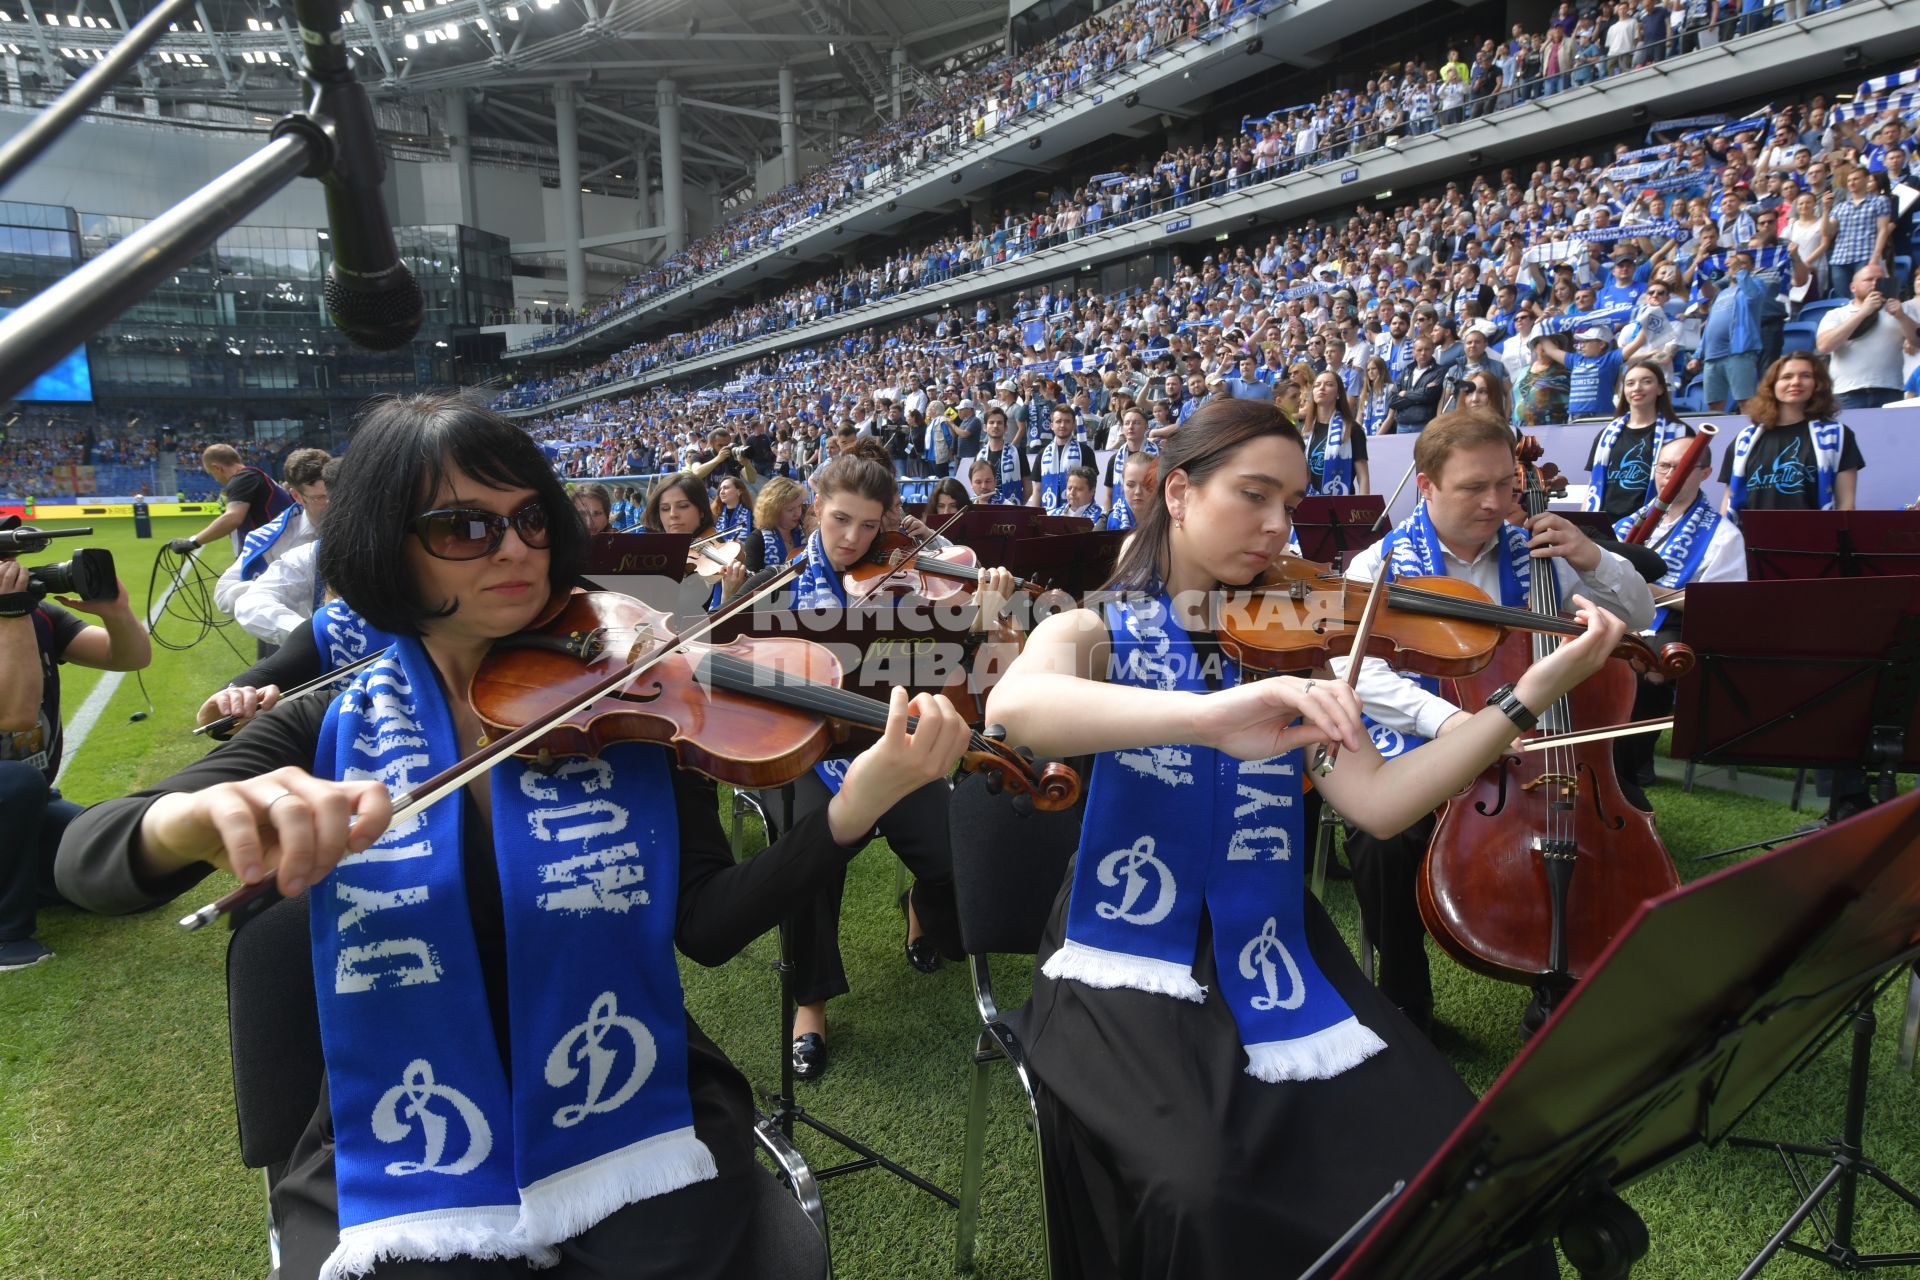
1777,682
880,646
1076,563
1710,995
1331,529
991,529
646,566
1054,526
1831,544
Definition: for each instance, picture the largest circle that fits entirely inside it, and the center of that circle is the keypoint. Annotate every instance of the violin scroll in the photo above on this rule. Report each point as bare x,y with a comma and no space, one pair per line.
1051,789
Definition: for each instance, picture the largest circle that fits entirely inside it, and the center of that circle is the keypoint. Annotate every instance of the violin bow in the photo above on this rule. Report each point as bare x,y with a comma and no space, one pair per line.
452,778
1385,511
1325,754
907,559
298,692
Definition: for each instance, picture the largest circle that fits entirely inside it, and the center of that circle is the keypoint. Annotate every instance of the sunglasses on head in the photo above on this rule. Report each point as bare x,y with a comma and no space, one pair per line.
465,533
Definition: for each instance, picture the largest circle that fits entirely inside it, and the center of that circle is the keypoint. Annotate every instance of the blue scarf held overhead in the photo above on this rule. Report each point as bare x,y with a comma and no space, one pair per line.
1683,546
1827,437
1173,830
437,1155
1412,550
1665,432
1055,461
253,552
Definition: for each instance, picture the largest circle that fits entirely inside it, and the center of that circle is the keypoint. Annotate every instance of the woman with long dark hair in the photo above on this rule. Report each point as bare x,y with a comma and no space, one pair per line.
1221,1091
1621,460
511,1078
1336,446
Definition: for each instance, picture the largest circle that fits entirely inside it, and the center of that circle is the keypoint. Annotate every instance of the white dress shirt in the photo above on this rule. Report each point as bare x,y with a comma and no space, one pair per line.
1397,702
299,532
280,601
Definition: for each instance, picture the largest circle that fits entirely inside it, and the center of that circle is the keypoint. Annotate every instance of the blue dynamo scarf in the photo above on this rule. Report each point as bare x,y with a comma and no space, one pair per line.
1173,830
344,637
436,1154
1055,462
1665,432
253,551
1683,546
1827,437
819,587
1412,550
1008,487
1336,460
734,520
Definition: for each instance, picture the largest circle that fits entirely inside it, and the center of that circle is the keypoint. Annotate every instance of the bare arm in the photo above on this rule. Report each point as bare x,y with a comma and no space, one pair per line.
20,691
1844,487
223,524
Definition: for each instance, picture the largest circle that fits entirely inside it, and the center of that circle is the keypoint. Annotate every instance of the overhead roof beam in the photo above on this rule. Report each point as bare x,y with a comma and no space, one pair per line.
686,144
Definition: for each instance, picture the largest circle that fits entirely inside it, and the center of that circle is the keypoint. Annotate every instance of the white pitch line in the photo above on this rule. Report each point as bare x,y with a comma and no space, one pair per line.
96,704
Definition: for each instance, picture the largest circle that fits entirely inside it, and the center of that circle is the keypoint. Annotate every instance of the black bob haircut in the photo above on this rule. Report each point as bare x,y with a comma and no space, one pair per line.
400,454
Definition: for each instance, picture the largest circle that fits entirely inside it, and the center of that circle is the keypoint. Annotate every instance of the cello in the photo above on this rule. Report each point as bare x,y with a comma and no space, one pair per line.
1542,859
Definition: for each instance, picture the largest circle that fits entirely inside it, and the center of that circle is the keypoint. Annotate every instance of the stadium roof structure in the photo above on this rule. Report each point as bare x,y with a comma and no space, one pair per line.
725,57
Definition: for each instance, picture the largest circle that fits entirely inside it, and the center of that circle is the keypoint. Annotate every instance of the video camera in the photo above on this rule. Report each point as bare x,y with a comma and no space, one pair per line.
89,575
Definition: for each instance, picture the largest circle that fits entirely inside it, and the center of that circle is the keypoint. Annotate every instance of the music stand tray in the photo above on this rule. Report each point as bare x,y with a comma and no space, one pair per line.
1830,544
1703,1002
1807,673
1332,529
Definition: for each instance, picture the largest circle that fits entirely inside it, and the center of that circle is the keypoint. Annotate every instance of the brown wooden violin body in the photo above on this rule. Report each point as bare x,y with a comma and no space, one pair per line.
758,712
916,574
1303,613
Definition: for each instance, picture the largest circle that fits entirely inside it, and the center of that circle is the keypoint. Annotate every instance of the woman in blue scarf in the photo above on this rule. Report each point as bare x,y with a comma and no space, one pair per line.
511,1080
1222,1092
854,496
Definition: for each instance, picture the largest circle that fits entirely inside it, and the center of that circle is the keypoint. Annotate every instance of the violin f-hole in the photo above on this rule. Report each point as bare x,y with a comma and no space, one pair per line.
1611,823
1499,799
653,691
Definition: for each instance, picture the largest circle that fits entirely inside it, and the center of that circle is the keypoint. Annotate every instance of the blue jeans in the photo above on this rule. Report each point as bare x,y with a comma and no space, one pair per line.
33,816
1868,397
1840,278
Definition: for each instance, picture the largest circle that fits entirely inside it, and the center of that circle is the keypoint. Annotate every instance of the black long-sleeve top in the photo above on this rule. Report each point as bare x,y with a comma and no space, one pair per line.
722,905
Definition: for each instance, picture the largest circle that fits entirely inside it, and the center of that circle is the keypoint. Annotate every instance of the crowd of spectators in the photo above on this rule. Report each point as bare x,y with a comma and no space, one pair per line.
1413,97
1548,277
967,105
42,456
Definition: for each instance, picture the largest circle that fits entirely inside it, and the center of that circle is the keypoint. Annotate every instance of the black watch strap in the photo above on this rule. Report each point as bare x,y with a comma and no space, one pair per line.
17,604
1508,700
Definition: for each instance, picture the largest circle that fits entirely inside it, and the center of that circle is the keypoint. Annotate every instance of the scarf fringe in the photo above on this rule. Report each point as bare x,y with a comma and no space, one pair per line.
432,1237
1095,967
562,1206
1320,1056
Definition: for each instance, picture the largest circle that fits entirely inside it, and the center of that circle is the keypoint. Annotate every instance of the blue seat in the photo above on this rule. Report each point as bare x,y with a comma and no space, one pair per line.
1814,310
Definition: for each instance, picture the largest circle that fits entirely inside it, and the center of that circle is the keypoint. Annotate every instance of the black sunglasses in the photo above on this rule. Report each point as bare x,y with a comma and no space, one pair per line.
463,533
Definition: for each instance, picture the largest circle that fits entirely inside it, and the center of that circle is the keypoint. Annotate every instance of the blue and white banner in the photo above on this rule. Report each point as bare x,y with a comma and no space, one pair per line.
1685,122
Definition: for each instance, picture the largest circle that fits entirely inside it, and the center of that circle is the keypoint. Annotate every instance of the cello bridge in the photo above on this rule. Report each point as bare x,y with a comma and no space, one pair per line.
1568,784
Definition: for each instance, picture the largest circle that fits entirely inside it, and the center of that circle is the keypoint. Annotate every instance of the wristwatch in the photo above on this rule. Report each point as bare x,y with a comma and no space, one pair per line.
1515,710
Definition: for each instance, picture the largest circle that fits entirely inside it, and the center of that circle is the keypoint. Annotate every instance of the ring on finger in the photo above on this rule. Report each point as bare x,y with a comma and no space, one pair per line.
284,795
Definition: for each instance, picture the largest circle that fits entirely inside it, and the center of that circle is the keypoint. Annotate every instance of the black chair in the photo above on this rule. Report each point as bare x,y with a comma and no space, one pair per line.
273,1026
1008,867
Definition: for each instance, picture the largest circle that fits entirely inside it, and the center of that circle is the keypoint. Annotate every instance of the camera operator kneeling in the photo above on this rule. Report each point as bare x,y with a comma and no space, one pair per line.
37,635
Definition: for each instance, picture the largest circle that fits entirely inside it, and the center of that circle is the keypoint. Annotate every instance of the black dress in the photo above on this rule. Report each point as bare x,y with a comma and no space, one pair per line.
702,1230
1165,1159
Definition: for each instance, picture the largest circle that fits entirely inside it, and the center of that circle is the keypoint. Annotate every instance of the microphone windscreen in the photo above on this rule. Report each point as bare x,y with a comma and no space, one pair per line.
378,318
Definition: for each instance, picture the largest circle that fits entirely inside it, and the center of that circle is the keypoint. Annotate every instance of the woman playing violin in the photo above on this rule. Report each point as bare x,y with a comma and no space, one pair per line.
511,1078
1222,1092
778,514
595,506
855,497
680,504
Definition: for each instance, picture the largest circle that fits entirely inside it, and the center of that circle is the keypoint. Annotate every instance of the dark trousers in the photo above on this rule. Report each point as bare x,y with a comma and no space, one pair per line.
1384,872
32,819
916,830
1635,751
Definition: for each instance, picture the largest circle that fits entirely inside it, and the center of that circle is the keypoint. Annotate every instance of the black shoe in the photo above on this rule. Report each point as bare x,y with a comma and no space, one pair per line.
921,953
1840,808
1645,775
23,954
809,1056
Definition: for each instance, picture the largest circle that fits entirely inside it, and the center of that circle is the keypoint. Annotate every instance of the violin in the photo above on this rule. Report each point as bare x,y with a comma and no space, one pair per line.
757,712
1302,613
931,575
709,557
1538,864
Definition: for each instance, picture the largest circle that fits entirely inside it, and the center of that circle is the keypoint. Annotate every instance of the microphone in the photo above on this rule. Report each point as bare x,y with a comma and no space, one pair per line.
370,295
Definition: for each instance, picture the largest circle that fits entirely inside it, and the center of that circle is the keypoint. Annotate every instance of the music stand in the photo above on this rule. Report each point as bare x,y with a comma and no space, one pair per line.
991,529
646,566
1830,544
1331,529
880,646
1054,526
1775,682
1075,563
1710,994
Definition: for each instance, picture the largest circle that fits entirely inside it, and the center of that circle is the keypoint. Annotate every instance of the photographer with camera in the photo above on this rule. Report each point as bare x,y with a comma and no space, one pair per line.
36,635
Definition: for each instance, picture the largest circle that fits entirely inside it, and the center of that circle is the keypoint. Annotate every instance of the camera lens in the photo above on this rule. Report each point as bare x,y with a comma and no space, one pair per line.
89,575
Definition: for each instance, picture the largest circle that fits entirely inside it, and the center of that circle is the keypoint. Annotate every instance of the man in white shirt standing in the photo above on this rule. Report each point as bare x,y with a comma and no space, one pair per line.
292,529
1863,341
282,599
1463,467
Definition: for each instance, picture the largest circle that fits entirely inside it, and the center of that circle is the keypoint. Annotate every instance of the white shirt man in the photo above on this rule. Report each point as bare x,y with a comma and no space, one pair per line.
280,601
